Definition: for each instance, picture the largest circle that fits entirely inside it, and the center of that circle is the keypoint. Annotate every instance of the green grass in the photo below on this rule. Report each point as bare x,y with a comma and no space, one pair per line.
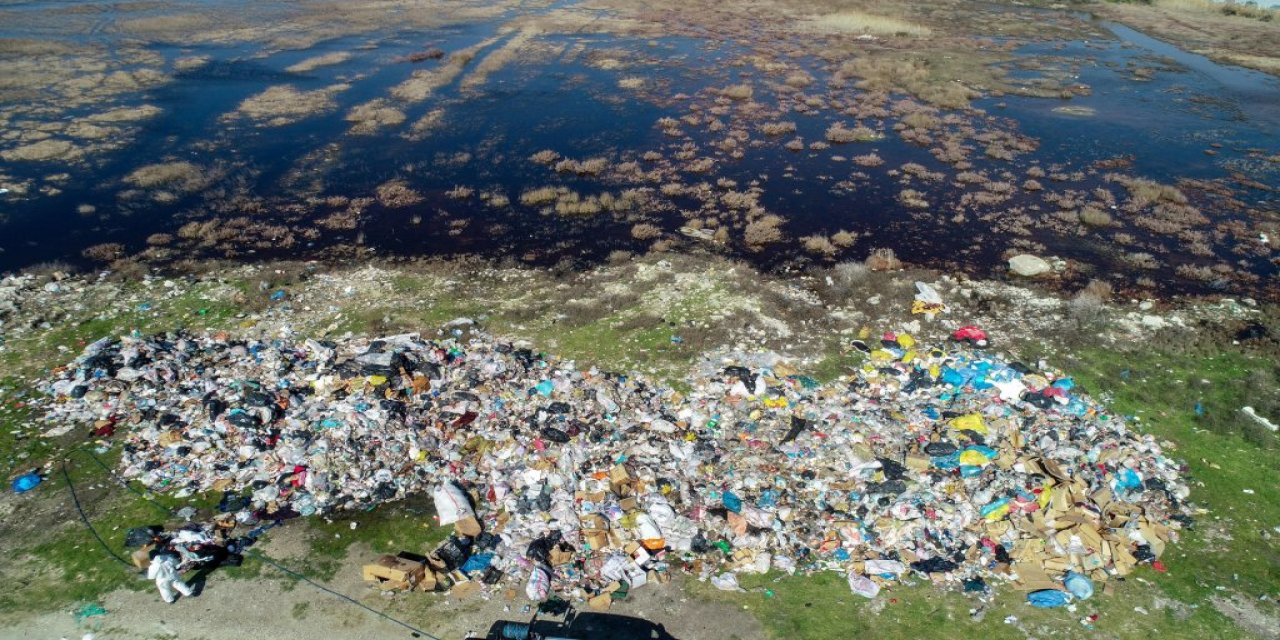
391,528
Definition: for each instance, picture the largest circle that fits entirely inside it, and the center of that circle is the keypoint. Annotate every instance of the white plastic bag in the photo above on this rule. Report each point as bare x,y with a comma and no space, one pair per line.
539,586
862,585
726,582
881,567
451,503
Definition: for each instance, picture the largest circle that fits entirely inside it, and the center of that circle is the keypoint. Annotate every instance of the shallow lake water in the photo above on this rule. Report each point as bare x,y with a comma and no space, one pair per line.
1187,117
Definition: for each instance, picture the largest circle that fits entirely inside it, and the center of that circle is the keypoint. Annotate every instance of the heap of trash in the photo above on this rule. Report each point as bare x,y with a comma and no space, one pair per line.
945,462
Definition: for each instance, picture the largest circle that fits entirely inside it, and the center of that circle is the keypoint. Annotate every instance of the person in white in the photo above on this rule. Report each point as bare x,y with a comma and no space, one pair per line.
164,570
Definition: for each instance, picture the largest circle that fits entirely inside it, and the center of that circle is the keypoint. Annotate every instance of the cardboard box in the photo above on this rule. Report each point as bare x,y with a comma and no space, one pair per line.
393,572
629,504
559,557
600,602
142,557
594,522
468,526
595,539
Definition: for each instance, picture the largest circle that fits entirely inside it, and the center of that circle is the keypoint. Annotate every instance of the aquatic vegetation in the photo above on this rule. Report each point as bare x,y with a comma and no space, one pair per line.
883,259
316,62
777,128
645,231
539,196
763,231
105,252
913,199
840,134
819,245
395,194
180,177
738,92
868,160
631,82
284,104
1095,217
43,151
371,116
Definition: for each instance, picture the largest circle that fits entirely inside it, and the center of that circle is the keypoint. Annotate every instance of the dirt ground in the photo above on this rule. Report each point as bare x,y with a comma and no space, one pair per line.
231,609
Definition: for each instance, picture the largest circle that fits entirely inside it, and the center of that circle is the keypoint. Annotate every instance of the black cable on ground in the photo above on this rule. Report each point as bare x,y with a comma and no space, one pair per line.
251,552
76,499
263,557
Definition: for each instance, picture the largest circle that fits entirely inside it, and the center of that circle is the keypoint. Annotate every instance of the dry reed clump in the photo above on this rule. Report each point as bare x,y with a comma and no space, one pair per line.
571,203
738,92
1089,304
1198,273
632,83
883,259
371,116
396,194
313,63
868,160
1141,260
921,120
777,128
859,22
538,197
160,239
460,192
1095,217
1144,193
645,231
283,105
544,157
913,199
795,144
105,252
588,167
839,134
844,239
762,232
180,177
1031,185
798,79
820,245
43,151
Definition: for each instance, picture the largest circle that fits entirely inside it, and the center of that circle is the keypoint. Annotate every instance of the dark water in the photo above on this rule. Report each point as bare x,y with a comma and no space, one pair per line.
563,103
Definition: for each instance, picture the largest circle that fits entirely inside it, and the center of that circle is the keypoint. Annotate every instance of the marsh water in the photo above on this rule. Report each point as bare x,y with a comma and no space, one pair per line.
1181,117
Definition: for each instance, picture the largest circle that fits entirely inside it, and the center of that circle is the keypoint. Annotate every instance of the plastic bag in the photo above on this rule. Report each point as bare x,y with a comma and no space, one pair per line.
862,585
539,585
451,503
1048,598
726,582
1079,586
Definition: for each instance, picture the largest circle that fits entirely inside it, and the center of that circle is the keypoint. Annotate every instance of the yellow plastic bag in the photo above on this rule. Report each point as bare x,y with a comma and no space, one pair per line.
973,458
906,341
971,422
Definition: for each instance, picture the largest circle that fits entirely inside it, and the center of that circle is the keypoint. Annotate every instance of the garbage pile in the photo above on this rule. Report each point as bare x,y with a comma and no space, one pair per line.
946,462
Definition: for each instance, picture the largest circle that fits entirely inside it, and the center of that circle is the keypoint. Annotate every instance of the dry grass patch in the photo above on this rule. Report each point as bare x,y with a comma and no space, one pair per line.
867,23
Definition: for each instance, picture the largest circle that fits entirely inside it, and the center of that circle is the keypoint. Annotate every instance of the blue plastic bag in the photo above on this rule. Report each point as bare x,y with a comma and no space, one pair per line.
26,482
1079,586
1048,598
732,502
478,562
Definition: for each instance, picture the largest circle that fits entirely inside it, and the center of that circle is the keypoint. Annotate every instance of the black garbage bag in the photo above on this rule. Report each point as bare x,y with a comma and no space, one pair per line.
558,407
742,373
939,449
138,537
935,564
798,425
244,420
555,435
892,469
540,550
454,552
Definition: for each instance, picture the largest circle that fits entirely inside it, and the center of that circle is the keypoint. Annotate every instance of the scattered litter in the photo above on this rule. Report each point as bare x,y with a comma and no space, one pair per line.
946,462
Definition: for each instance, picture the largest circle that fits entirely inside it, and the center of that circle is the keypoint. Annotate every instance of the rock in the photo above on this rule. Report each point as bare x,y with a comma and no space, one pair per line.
1028,266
